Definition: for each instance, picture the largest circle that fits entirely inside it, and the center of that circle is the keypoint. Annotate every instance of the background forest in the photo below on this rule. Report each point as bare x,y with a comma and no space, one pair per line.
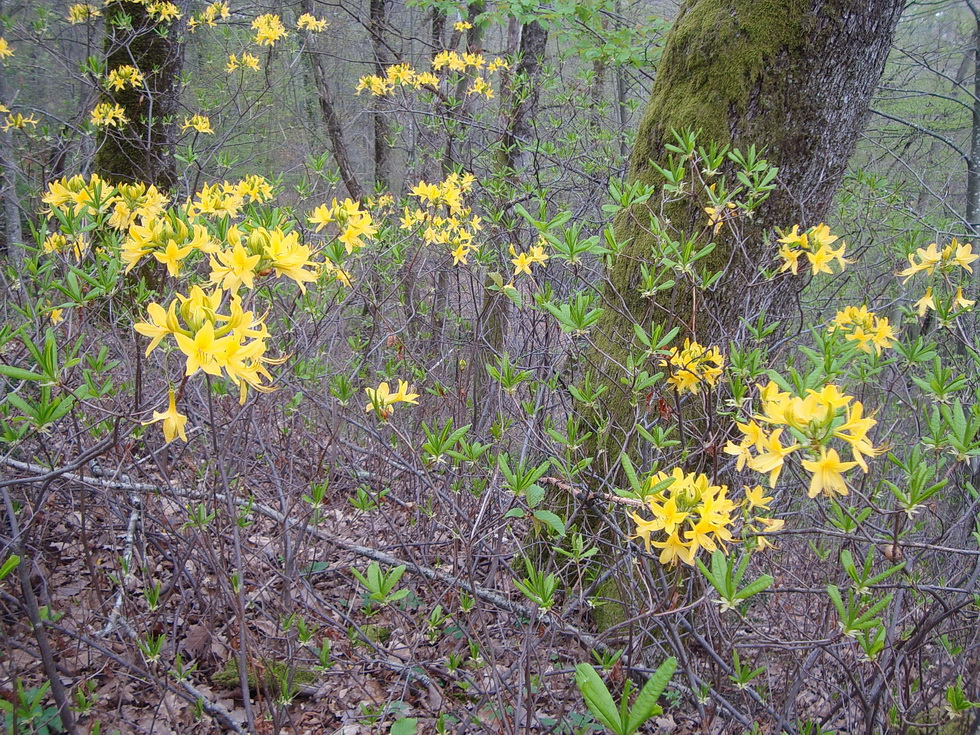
367,369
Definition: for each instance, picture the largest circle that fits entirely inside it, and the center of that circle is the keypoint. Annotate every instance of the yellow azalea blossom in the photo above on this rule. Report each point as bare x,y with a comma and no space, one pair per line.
268,29
673,549
108,115
246,61
203,351
827,474
925,303
961,301
692,366
82,12
173,421
200,123
381,400
57,316
311,23
17,121
791,259
820,261
756,498
462,25
717,216
164,12
161,324
171,257
5,50
124,76
961,255
522,263
771,457
795,238
234,268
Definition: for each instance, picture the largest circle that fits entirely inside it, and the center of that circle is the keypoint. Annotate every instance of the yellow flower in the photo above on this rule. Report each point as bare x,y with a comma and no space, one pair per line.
462,25
381,400
961,301
756,498
718,215
82,12
522,263
311,22
673,549
161,324
203,351
962,254
171,257
771,457
925,303
200,123
124,76
269,29
57,316
827,477
693,365
164,11
173,421
5,50
18,121
108,115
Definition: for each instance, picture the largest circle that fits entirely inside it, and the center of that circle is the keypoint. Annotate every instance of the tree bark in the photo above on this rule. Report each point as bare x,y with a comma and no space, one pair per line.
792,77
144,149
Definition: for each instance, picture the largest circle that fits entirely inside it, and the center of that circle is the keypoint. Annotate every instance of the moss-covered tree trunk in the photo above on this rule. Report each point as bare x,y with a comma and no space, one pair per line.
142,150
792,77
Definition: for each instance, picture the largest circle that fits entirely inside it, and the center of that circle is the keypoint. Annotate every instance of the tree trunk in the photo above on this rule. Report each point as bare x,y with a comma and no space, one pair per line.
143,150
973,163
792,77
335,131
382,147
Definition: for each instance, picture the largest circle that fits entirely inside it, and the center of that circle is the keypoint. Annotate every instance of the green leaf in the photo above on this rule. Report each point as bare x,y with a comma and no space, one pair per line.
646,705
19,373
553,521
9,565
405,726
597,698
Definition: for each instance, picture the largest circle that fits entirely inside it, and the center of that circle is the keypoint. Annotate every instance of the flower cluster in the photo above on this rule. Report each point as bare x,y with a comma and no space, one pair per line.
108,115
446,220
200,123
381,400
311,23
872,333
17,121
353,224
226,199
692,366
268,29
815,243
163,11
5,50
77,203
403,75
82,13
811,425
124,76
946,262
209,15
689,512
523,261
245,61
212,342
